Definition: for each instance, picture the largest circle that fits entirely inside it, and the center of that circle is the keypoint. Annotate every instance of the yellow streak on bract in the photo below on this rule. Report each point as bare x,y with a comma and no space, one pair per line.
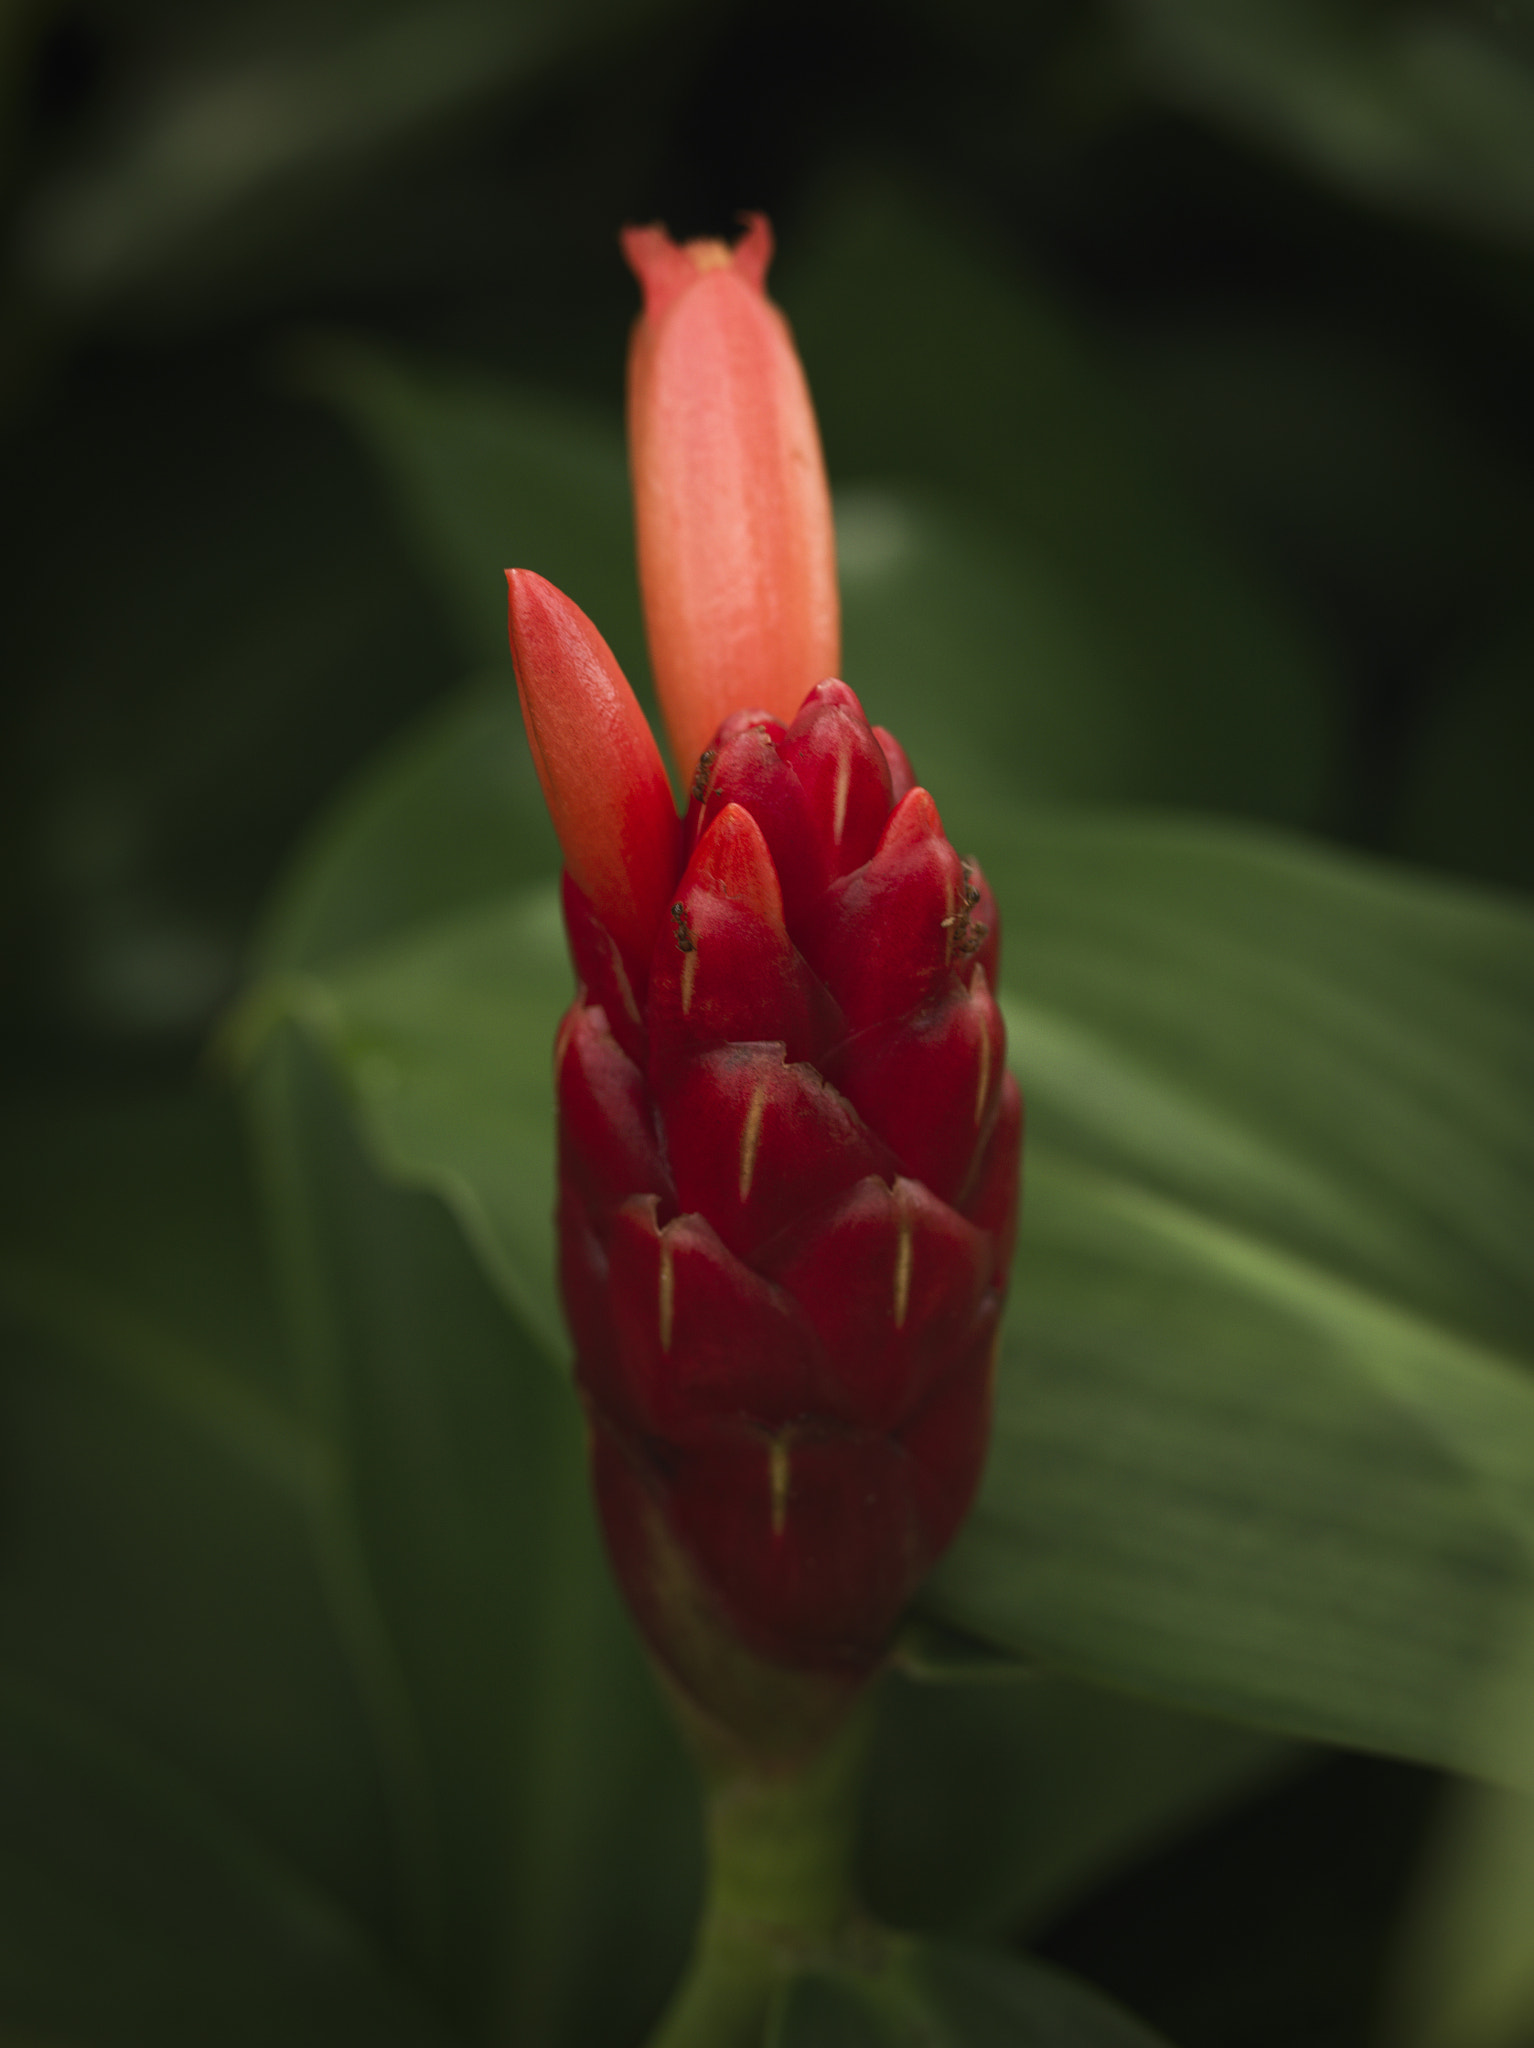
689,976
667,1292
843,785
624,989
903,1255
751,1137
562,1039
985,1073
777,1482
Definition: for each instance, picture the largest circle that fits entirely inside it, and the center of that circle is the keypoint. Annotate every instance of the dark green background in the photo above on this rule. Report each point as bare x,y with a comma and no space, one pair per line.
1173,365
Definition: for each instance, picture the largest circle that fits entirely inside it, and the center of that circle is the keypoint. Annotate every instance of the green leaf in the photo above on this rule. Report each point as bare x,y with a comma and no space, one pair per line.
1464,802
1469,1975
211,706
321,1719
521,1735
487,477
1464,1964
1374,474
302,106
1265,1432
1320,1050
192,1839
443,1038
134,1913
992,1806
932,1652
1113,622
933,591
948,1997
1421,108
449,816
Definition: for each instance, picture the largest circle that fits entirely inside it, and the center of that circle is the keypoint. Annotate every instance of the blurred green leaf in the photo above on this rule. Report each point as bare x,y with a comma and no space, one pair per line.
1381,487
322,1721
1265,1438
992,1806
1119,626
1421,107
447,817
486,989
1225,1478
191,1817
1464,1966
1265,1441
485,478
998,681
1465,800
525,1744
256,121
254,624
135,1914
941,1997
1470,1980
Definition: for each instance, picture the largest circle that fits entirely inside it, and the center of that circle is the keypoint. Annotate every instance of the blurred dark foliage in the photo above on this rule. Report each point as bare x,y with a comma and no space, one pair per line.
1272,1926
1325,303
207,619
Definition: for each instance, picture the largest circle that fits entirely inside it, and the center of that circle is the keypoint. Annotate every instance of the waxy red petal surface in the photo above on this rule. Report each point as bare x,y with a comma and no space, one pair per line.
789,1169
756,1145
891,1280
831,749
882,937
929,1084
725,968
609,1148
699,1334
809,1541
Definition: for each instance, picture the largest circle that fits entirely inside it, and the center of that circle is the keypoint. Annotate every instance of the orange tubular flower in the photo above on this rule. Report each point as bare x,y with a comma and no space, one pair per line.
737,556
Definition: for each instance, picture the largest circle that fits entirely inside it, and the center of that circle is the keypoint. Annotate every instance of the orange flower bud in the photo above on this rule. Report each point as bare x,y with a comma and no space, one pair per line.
602,775
737,557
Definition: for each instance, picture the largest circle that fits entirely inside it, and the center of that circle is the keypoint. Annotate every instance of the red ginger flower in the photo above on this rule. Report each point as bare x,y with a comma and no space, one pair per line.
789,1145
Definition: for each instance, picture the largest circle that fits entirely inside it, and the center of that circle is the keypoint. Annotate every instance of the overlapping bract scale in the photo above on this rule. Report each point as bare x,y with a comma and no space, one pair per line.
724,967
789,1167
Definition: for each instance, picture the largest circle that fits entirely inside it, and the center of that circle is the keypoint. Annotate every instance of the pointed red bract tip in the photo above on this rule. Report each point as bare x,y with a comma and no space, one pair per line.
737,557
732,859
601,771
902,774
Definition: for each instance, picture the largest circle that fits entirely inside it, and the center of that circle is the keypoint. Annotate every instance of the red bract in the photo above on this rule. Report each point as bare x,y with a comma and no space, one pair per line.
789,1146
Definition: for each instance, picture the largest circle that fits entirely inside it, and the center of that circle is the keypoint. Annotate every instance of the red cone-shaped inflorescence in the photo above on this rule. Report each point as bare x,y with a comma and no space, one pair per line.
788,1143
789,1154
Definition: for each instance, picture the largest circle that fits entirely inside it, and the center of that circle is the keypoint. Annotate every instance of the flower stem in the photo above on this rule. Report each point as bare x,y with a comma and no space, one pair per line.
779,1885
